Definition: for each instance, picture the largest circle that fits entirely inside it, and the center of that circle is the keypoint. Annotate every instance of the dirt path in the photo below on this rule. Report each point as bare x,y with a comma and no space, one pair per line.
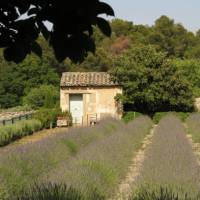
125,187
33,138
195,147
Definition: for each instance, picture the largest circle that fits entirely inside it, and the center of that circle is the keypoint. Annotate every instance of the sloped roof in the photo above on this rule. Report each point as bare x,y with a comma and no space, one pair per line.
87,79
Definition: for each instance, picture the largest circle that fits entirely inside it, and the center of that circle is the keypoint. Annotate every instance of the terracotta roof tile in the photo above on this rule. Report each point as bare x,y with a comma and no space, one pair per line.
87,79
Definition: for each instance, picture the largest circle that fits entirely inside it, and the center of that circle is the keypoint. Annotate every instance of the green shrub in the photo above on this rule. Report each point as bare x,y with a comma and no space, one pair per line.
159,115
129,116
183,115
13,132
66,115
44,96
48,116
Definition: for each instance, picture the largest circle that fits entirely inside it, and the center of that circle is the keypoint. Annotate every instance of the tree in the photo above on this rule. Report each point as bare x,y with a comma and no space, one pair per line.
191,70
150,82
120,45
45,96
121,27
193,52
101,62
70,36
17,80
171,37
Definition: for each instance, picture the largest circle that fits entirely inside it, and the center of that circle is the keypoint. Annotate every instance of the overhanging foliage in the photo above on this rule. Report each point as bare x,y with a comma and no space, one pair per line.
70,36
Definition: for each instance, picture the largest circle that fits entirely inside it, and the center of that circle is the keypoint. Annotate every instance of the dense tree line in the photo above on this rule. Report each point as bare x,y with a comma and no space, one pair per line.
169,51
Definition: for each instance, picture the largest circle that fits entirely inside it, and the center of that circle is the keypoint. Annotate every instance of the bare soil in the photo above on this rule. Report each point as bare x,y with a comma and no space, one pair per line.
195,147
126,186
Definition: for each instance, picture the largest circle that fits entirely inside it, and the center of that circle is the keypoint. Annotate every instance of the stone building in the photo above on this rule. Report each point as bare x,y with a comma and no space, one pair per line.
89,96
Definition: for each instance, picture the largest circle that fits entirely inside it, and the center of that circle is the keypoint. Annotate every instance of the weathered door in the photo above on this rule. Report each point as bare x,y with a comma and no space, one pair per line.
76,107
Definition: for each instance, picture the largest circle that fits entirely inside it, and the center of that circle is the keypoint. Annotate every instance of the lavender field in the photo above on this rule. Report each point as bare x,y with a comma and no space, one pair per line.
88,159
170,165
90,163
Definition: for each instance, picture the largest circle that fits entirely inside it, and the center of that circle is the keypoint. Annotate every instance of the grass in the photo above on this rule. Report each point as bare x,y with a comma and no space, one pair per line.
88,159
193,125
159,115
170,162
129,116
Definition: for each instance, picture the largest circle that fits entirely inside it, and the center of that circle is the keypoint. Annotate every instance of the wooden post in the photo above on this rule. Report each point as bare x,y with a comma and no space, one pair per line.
87,120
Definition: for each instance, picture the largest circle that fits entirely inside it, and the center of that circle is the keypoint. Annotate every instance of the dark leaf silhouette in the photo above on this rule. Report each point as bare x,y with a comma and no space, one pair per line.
104,26
72,27
37,49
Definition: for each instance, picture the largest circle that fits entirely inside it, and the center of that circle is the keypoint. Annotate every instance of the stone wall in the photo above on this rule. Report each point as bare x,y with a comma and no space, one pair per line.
10,115
96,100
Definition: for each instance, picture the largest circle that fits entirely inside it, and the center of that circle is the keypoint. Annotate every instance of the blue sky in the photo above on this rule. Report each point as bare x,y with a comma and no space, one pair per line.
186,12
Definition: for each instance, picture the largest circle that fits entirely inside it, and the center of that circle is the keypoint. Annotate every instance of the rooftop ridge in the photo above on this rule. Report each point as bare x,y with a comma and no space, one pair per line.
87,79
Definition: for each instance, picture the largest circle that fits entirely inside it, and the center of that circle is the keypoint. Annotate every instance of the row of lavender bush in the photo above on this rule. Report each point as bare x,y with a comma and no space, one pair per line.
170,170
22,165
89,159
104,162
10,133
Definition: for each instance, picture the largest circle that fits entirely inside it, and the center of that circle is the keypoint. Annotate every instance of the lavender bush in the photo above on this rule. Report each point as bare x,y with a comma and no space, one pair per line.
56,192
104,162
161,193
51,192
170,162
88,159
22,165
13,132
